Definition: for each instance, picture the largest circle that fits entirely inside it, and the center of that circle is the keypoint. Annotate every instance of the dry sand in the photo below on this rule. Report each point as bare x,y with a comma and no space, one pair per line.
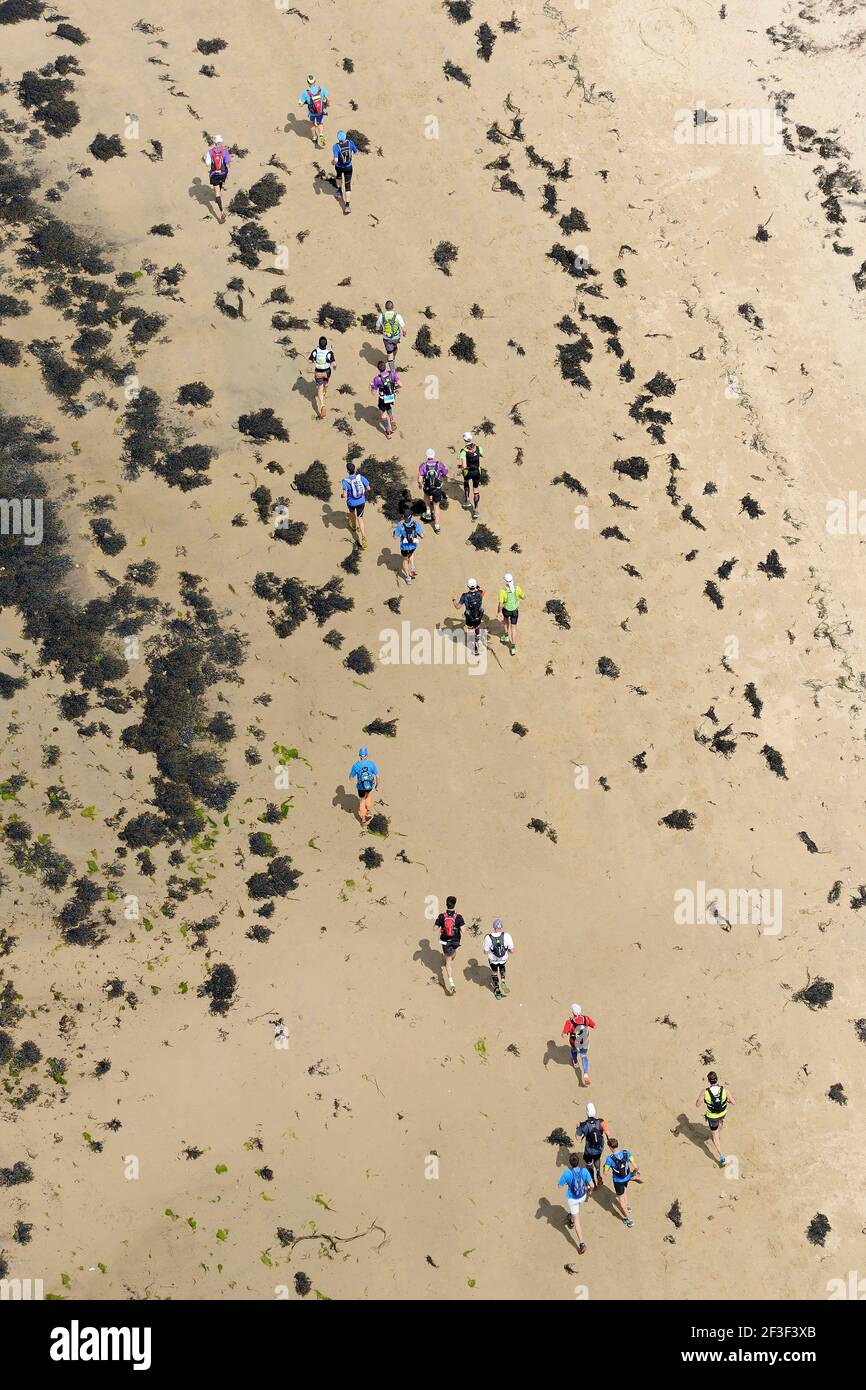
330,1138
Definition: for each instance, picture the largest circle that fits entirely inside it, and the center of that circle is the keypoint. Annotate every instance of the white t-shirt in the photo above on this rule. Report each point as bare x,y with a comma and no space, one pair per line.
395,319
505,938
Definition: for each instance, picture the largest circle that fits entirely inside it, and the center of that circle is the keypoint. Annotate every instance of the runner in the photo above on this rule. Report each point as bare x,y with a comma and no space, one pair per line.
324,362
218,160
576,1029
450,925
392,326
431,475
716,1099
387,384
592,1131
497,948
366,776
623,1167
342,161
408,533
315,98
356,488
470,462
576,1181
472,603
508,610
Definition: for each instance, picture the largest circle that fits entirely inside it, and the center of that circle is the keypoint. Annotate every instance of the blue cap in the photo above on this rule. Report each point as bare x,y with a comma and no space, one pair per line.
362,752
341,134
497,924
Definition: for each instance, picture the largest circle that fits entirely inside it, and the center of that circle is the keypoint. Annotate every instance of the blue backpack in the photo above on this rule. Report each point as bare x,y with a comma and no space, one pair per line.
365,778
576,1184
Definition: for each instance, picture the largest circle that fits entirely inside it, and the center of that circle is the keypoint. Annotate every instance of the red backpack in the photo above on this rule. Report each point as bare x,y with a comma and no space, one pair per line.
449,925
318,100
217,155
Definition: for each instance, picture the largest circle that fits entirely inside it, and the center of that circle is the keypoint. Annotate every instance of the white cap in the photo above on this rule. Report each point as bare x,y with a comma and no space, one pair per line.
576,1010
431,453
217,139
509,580
472,583
467,436
590,1110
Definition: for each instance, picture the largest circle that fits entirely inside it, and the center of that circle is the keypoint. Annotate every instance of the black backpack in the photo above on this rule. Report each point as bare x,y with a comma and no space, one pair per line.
620,1165
498,947
474,606
594,1136
344,152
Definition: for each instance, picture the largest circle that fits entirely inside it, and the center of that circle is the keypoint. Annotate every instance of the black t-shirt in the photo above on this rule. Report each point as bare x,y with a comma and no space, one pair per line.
459,924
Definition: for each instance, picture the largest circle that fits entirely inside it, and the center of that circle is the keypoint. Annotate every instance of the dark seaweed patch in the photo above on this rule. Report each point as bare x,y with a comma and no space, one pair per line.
456,74
816,994
105,147
818,1229
482,538
807,841
220,987
314,482
10,352
751,507
571,359
424,343
558,611
194,393
606,667
387,728
444,256
209,46
573,484
754,699
370,858
330,316
772,567
837,1093
463,348
636,468
360,661
678,820
262,425
675,1214
47,98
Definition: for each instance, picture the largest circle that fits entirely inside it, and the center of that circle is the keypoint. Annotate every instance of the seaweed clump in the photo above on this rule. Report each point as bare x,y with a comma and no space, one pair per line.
263,425
105,147
679,820
444,256
219,987
463,348
818,1229
816,994
360,661
314,482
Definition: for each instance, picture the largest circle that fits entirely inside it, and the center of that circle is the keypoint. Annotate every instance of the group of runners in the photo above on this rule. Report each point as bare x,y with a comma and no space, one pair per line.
585,1173
316,100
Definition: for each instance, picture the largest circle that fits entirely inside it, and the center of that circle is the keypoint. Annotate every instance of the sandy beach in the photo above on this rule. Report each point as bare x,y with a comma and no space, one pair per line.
230,1067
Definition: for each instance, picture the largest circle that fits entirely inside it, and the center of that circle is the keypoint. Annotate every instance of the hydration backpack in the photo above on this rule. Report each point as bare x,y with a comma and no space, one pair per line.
386,389
344,152
217,159
594,1136
390,326
580,1035
716,1105
474,607
409,529
356,486
318,100
619,1164
473,459
431,476
498,947
365,779
576,1184
449,925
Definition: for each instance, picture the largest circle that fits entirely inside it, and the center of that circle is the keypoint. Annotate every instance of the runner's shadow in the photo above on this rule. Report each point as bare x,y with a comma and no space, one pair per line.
347,801
554,1216
203,194
369,354
305,388
390,560
332,517
605,1198
477,974
556,1052
298,125
698,1134
429,957
366,414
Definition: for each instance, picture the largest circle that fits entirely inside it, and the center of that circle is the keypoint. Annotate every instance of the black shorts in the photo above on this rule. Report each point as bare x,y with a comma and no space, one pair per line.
592,1162
474,479
357,511
322,376
345,175
619,1187
434,496
217,180
497,966
386,407
714,1121
449,947
474,624
390,345
510,617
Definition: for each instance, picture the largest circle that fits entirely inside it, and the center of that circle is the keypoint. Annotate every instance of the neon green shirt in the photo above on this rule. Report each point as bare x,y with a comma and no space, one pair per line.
509,598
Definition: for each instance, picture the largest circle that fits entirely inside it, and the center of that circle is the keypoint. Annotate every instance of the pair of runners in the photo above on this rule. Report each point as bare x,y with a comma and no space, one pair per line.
578,1181
498,946
432,476
316,99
